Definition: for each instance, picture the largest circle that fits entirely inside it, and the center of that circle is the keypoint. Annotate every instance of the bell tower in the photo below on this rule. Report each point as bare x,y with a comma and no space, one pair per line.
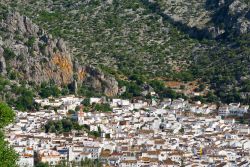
80,116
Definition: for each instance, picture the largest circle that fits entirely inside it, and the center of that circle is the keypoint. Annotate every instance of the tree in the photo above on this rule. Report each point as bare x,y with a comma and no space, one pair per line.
132,89
63,163
99,129
8,156
44,93
6,114
77,108
157,85
211,97
90,162
41,164
59,126
67,125
72,112
52,129
65,91
64,125
25,100
182,130
48,125
102,107
138,78
86,102
48,90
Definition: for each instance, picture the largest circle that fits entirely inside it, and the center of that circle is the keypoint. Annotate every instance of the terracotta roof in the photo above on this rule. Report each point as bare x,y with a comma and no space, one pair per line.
169,162
153,152
129,161
29,148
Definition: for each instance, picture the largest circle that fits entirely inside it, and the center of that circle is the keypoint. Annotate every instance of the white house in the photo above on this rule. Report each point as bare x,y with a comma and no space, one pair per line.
49,156
95,100
26,160
223,110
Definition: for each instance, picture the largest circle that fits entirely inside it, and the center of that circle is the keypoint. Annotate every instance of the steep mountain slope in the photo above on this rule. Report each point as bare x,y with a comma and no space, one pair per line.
125,35
226,67
207,40
216,17
29,55
32,54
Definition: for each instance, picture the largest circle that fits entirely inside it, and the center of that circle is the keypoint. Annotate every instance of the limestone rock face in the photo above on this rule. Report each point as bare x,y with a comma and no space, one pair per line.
37,57
212,17
2,62
239,10
99,81
17,23
237,7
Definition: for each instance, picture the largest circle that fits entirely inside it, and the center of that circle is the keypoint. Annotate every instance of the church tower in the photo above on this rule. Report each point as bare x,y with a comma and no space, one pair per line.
80,116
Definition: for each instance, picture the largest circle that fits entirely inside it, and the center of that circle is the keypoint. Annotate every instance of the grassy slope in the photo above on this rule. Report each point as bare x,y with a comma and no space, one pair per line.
130,38
125,34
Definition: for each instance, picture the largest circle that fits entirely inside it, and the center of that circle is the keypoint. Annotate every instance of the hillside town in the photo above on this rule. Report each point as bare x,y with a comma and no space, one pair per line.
135,133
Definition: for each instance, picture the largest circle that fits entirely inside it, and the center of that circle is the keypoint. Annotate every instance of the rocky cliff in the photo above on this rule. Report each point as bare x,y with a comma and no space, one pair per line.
214,17
28,53
179,40
31,53
100,81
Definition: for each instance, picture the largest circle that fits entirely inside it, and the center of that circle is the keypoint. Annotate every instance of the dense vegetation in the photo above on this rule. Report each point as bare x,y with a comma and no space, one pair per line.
67,125
83,163
103,107
52,90
226,68
8,157
122,34
64,125
139,41
17,95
